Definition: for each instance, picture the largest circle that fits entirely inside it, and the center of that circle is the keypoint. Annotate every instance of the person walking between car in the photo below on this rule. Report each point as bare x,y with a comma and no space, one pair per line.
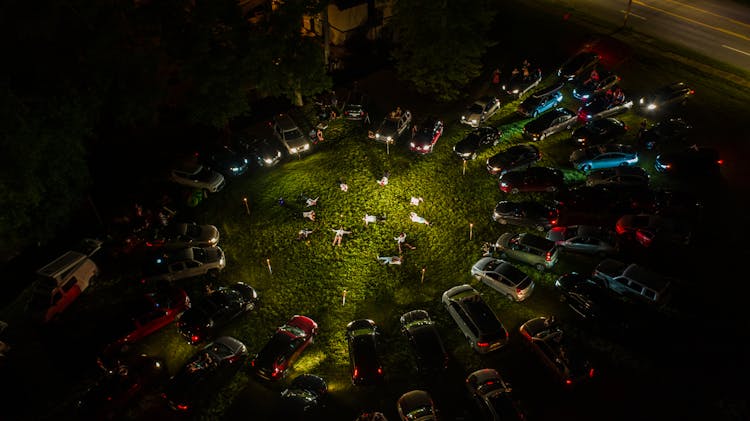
339,236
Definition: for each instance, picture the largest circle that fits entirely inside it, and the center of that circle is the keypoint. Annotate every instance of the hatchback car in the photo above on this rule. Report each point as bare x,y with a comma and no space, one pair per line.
480,110
426,342
541,100
549,123
479,324
603,156
528,248
475,140
600,131
290,135
190,387
227,161
513,158
303,397
667,96
578,65
425,135
503,277
362,340
585,239
284,348
174,265
416,405
212,312
527,213
546,338
493,395
698,163
532,179
635,177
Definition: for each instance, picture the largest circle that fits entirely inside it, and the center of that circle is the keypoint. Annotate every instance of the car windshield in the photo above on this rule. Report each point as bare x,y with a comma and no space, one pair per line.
293,331
503,404
389,125
475,108
292,134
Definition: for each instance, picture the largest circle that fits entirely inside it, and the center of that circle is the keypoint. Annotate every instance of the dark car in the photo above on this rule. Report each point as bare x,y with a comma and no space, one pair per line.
693,162
227,161
541,100
303,398
667,96
214,311
665,132
635,177
680,204
578,65
194,382
603,105
646,229
425,135
478,322
532,179
586,89
493,395
475,140
600,131
362,339
519,84
585,239
284,348
264,152
115,390
513,158
425,340
602,205
355,107
591,299
549,123
528,213
547,339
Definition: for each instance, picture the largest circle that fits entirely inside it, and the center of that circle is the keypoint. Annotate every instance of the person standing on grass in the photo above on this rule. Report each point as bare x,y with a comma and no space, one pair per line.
339,235
496,78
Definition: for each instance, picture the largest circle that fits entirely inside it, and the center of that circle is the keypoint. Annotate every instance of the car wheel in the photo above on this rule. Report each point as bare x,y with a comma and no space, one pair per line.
514,190
540,267
586,168
540,228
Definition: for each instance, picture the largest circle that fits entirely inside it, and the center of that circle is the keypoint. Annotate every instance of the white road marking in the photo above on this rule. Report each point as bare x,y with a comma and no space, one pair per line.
734,49
633,15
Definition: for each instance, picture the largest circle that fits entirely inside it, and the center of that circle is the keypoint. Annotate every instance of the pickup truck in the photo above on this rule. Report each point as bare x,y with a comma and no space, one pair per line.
632,280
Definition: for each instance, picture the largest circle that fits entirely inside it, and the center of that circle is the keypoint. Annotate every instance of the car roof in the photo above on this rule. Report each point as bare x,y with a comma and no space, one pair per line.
536,241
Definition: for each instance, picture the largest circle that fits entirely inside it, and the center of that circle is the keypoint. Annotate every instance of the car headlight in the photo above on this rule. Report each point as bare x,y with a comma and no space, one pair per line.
244,160
411,144
389,138
515,91
306,147
463,118
641,101
473,121
503,87
234,169
377,135
651,106
268,160
293,150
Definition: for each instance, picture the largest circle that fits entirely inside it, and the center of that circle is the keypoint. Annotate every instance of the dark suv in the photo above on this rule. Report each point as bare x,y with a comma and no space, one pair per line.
361,336
475,318
425,340
355,107
528,248
666,96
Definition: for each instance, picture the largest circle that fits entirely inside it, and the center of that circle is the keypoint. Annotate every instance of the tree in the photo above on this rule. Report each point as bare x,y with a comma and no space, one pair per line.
439,45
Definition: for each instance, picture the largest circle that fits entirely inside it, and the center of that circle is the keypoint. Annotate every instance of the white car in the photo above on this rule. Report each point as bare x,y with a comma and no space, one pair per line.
503,277
482,109
198,177
290,135
185,263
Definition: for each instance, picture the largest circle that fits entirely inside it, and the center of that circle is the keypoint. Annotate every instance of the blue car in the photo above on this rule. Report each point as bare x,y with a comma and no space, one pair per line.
541,100
603,156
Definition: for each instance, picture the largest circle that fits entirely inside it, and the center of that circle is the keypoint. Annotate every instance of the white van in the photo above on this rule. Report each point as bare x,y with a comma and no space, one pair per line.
61,281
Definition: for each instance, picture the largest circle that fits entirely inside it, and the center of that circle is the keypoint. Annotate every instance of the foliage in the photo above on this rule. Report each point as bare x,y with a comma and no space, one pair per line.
439,46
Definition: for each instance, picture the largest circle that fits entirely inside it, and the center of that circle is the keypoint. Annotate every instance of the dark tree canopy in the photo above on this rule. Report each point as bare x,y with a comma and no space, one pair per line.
439,44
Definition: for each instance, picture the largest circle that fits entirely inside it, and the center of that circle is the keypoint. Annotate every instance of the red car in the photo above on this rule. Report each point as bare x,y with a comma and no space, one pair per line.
284,348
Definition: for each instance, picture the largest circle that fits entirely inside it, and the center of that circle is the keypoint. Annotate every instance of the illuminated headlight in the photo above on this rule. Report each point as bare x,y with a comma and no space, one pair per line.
412,144
588,116
268,160
586,96
504,88
222,261
641,101
293,150
503,184
244,160
388,138
515,91
306,147
473,121
463,118
581,140
278,154
235,169
496,169
651,106
377,135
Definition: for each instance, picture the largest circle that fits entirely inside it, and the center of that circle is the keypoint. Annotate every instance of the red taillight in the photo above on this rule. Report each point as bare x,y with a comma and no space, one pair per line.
519,290
182,407
591,373
356,372
380,370
620,229
692,91
483,344
568,381
490,382
195,338
720,161
276,372
252,363
548,256
626,127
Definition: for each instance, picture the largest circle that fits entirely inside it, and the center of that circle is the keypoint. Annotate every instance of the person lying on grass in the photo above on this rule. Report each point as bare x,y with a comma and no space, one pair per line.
389,260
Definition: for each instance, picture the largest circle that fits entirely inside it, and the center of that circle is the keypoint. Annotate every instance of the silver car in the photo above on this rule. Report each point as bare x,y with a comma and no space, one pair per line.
503,277
585,239
478,112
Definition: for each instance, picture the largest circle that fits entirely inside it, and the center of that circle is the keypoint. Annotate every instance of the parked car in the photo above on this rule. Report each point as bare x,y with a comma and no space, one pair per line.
633,280
592,300
649,228
513,158
355,107
527,213
601,106
392,127
425,135
578,65
600,131
698,163
284,348
665,132
549,123
493,395
416,405
479,324
518,84
198,177
362,340
532,179
475,140
528,248
290,134
585,239
191,386
212,312
546,338
113,392
264,152
426,342
480,111
503,277
602,205
679,204
586,89
635,177
603,156
303,398
541,100
227,161
174,265
180,235
667,96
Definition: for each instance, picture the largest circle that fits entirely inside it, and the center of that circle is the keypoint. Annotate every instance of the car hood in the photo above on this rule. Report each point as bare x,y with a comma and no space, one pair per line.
467,145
